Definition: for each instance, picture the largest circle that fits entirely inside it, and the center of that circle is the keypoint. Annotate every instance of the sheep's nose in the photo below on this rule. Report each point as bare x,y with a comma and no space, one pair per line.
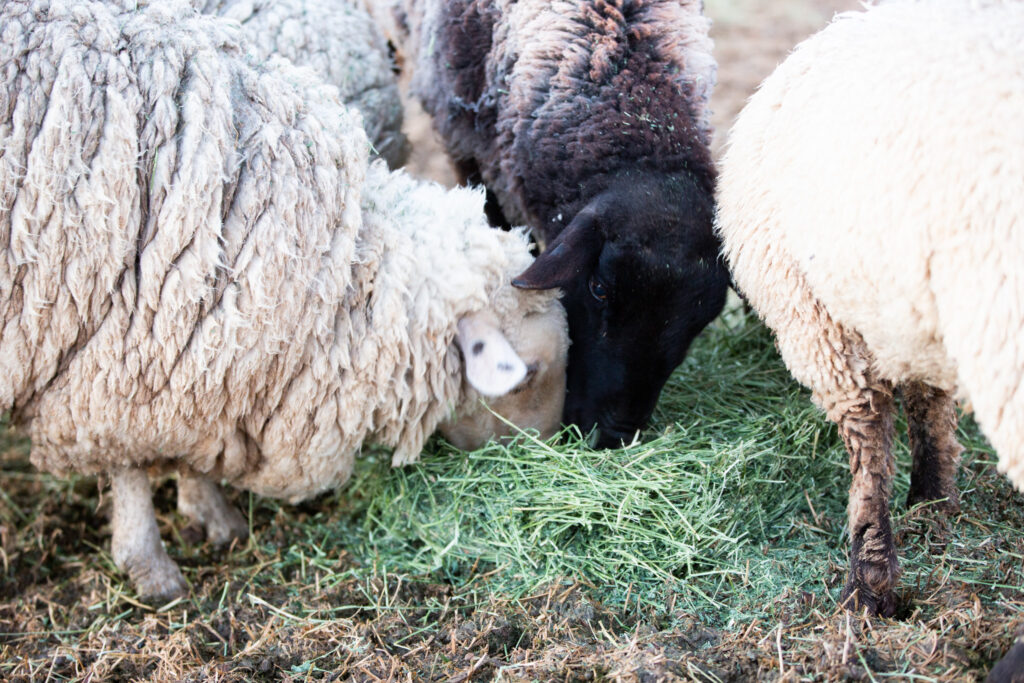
613,438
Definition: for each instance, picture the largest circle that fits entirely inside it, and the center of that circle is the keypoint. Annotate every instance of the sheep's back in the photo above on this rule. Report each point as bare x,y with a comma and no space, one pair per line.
545,96
883,157
339,40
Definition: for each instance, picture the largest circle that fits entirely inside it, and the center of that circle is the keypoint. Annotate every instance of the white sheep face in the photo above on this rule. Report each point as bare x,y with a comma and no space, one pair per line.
539,344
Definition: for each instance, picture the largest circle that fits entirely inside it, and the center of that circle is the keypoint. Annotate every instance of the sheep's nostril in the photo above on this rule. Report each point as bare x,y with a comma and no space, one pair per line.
531,371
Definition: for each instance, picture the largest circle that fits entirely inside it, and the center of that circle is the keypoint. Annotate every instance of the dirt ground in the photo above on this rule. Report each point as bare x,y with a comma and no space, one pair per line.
277,617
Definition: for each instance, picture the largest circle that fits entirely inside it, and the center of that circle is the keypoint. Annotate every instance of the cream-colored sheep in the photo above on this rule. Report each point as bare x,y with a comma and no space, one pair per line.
203,274
871,205
341,43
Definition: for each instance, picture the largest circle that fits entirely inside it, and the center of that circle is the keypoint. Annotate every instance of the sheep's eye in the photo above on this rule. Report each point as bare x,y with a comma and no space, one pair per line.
598,290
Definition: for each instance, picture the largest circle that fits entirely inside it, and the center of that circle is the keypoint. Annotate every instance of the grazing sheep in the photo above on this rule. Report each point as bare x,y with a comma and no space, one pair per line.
339,40
871,204
202,273
589,121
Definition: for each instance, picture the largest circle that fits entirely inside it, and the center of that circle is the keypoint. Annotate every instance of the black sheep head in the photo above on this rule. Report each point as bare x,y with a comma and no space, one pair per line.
641,277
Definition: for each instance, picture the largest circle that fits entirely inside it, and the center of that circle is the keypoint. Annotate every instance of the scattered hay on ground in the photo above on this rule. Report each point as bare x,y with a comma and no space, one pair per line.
714,550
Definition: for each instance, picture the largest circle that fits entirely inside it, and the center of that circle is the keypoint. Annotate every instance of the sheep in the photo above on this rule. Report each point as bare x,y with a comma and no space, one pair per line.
203,273
870,206
341,42
589,121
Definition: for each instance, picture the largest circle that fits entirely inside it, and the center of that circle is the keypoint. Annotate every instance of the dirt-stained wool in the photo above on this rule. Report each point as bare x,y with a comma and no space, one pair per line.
870,206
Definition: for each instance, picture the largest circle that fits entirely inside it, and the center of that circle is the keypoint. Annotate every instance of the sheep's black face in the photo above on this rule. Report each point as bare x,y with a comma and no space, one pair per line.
642,278
632,321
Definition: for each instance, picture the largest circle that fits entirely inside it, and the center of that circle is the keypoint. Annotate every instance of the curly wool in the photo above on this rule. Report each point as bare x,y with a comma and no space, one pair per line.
338,39
195,274
567,91
883,241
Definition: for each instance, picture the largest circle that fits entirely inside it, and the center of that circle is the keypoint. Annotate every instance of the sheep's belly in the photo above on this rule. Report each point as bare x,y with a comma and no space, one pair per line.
884,295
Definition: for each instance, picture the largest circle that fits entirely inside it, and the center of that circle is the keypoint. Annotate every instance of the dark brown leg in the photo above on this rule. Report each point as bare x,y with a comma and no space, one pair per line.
467,173
1009,669
931,425
866,426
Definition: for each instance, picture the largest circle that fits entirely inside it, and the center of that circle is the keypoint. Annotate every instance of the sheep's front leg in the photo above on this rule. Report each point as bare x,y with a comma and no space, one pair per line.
866,426
931,425
136,544
202,501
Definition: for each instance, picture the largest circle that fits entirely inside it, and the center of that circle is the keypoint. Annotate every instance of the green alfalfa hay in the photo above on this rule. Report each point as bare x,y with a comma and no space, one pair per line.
736,496
681,509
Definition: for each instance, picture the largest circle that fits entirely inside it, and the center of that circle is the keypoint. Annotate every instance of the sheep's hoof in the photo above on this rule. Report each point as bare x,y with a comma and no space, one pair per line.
857,597
203,502
157,580
220,531
193,533
1009,669
226,527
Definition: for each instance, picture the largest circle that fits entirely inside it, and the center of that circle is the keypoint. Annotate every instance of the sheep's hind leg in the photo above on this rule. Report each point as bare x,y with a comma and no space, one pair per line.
467,173
1009,669
136,544
835,364
202,501
866,426
931,425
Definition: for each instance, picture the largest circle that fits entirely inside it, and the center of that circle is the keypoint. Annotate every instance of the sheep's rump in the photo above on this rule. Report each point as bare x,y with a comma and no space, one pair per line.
178,229
339,40
882,167
546,89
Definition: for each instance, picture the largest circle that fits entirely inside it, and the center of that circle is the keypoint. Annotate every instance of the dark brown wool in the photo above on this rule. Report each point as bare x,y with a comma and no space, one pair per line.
588,121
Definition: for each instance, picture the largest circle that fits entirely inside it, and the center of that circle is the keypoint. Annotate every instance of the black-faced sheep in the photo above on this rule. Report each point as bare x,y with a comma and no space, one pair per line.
871,204
202,273
339,40
588,121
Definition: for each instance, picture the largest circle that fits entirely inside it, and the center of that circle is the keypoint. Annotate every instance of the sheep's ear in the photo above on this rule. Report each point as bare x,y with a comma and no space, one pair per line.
571,253
492,366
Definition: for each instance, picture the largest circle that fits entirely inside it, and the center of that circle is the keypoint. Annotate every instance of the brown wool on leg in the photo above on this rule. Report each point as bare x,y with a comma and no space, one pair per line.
931,426
866,427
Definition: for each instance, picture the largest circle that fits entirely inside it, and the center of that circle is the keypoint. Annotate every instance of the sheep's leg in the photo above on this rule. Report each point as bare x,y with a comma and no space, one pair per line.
836,365
1009,669
202,501
866,426
467,174
136,544
931,425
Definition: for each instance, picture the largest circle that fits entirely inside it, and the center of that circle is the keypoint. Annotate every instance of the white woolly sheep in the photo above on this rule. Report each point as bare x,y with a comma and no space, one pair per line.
339,40
589,121
871,204
202,274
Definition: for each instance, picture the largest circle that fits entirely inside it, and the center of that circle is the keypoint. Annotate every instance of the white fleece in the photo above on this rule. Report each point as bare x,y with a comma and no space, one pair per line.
201,270
871,205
